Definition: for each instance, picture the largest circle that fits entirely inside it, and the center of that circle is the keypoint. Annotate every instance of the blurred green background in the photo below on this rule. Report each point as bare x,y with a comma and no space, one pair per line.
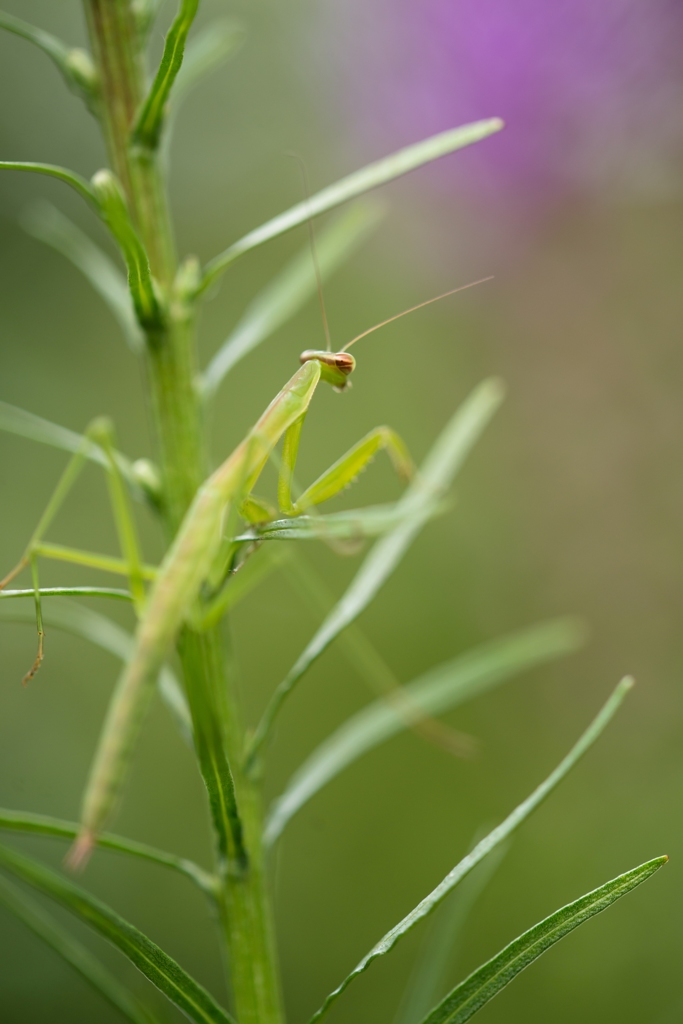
573,502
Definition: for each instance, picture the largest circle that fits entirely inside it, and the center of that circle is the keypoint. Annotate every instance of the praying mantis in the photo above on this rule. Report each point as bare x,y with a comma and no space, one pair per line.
200,555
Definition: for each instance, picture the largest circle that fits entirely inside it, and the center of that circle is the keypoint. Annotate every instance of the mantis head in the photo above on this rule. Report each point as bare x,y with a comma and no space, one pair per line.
335,367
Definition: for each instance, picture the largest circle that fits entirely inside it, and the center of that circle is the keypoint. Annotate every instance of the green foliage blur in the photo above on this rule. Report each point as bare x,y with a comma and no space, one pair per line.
573,502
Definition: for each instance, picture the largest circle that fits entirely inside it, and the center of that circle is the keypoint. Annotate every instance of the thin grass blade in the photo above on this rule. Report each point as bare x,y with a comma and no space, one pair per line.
147,130
49,44
81,959
486,846
61,173
352,186
486,982
290,290
98,629
41,824
438,690
416,508
181,989
112,592
25,424
44,222
75,65
440,944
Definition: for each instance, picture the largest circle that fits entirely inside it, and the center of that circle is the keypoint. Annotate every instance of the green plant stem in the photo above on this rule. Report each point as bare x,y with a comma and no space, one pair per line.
243,900
252,951
117,51
171,373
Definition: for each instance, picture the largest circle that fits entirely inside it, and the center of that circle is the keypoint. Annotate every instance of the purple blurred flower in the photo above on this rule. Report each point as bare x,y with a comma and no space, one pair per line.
591,90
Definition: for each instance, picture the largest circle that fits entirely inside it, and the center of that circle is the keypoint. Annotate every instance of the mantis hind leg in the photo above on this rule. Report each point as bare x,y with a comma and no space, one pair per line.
30,555
344,471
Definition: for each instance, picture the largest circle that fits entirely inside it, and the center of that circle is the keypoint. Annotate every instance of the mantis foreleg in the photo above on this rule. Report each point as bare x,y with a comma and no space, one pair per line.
344,471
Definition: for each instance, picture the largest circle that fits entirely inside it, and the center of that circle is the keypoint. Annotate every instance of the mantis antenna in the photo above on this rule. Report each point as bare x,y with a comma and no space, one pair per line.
428,302
314,252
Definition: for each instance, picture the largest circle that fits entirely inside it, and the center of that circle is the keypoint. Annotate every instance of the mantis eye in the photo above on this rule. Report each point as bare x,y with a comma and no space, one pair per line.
344,362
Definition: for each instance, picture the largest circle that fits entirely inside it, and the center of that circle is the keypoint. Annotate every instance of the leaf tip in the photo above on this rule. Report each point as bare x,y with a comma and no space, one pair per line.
575,631
495,389
626,684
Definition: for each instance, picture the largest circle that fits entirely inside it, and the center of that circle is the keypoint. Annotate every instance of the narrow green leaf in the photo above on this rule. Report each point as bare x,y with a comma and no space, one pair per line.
75,65
157,966
44,222
147,130
61,173
101,631
290,290
80,958
486,982
113,592
436,691
114,211
41,824
18,421
354,185
211,47
415,508
439,946
483,848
